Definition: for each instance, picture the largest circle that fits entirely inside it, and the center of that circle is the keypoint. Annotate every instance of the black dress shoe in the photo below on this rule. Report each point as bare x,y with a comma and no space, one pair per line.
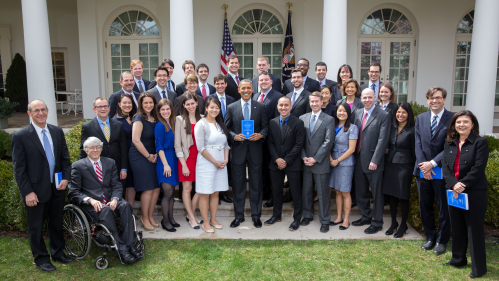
269,204
257,223
166,228
392,229
133,250
236,222
64,259
361,222
474,275
287,199
344,228
294,226
440,249
272,220
324,228
428,245
175,225
306,221
46,267
372,229
335,223
401,231
126,257
225,198
454,265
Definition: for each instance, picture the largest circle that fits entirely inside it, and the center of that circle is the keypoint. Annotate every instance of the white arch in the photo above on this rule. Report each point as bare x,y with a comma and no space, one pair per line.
119,11
262,6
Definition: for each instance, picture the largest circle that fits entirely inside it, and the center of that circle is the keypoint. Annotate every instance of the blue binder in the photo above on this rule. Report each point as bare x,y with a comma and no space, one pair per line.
57,179
461,202
248,127
438,173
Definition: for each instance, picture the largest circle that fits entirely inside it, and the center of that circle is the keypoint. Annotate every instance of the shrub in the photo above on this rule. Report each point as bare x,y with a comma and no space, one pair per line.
7,108
16,84
493,142
73,138
418,108
15,208
6,175
5,141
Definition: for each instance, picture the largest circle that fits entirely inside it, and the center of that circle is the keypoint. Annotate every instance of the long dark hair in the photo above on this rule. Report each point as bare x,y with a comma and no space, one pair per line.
410,115
219,119
141,110
339,80
452,132
185,114
119,112
347,108
171,120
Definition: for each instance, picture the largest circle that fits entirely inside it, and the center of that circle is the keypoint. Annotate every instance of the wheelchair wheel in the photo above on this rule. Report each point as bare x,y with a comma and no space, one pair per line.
76,232
102,262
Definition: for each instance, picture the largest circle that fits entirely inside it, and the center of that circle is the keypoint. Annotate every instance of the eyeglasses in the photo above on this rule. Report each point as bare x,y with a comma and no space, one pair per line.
94,147
436,98
374,71
101,107
301,64
162,75
43,110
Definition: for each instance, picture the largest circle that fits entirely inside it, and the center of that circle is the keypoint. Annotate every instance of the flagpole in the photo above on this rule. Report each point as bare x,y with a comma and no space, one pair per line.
225,6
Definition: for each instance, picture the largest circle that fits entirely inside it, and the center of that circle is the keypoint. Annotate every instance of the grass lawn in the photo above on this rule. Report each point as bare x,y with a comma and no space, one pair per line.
253,260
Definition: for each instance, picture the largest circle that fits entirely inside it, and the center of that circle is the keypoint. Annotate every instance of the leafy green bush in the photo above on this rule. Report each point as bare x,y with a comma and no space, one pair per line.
418,108
16,84
5,140
493,142
73,138
6,175
15,208
7,108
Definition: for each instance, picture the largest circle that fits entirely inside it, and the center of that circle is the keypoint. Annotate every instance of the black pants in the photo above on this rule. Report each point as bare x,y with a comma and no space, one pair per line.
267,191
429,191
50,211
239,188
277,177
362,183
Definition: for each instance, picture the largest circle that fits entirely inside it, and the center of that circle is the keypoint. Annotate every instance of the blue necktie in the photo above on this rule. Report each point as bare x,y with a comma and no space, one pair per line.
222,101
49,154
170,85
312,123
246,112
434,125
293,99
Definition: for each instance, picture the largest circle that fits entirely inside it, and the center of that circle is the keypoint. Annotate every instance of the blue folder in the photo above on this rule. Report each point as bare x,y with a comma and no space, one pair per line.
438,173
57,179
248,127
461,202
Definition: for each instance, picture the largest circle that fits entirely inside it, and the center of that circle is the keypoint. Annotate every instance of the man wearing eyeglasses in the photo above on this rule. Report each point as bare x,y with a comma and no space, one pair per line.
160,91
374,74
309,84
112,135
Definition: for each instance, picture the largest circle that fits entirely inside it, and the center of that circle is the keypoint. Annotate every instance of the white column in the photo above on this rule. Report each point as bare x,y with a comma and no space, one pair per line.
483,63
334,35
181,35
38,55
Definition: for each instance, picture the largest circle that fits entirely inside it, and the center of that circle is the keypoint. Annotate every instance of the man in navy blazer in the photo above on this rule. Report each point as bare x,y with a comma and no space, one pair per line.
170,85
204,89
137,68
299,96
233,78
431,131
374,75
127,84
263,64
321,72
309,84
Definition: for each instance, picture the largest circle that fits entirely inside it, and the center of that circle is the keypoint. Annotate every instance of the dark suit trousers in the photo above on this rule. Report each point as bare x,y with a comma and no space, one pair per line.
52,212
321,182
362,183
277,177
428,192
467,227
239,186
266,181
107,217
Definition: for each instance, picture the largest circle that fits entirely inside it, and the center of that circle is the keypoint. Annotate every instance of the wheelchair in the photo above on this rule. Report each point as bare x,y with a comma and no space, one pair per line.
80,229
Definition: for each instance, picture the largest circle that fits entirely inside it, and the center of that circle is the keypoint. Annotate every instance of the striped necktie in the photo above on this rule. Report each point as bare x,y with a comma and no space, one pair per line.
107,132
434,125
98,171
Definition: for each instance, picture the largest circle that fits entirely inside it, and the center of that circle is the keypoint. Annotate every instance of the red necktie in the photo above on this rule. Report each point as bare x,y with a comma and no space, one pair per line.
361,129
237,80
98,171
261,97
204,92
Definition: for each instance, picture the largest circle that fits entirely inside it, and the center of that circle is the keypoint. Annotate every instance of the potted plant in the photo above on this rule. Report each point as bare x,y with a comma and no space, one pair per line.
16,84
6,111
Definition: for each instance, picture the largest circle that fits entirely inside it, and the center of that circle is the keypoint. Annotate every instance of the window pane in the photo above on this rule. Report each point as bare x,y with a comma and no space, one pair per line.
153,61
125,49
376,59
115,63
403,87
248,73
404,74
248,62
277,29
460,61
116,87
277,49
459,87
366,29
145,61
458,100
405,48
277,72
145,75
266,16
143,49
238,48
461,47
402,98
237,30
394,48
125,62
116,75
365,61
276,61
266,48
248,16
240,21
115,49
248,48
404,61
496,103
364,75
394,61
365,48
394,74
153,49
460,73
273,21
376,48
153,31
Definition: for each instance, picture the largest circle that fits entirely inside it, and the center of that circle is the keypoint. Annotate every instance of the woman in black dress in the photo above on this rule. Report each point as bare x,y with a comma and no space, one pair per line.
386,99
124,113
463,167
143,157
399,165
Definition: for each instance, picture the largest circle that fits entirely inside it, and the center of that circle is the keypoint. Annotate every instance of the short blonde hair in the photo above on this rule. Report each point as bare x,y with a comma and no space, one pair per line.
135,62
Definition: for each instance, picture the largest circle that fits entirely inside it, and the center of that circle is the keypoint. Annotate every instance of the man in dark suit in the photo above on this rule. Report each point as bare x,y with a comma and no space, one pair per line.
192,82
321,71
269,97
96,188
319,139
263,64
137,68
431,131
299,96
309,84
189,68
374,132
204,89
374,75
170,85
127,84
285,143
38,151
246,151
233,78
110,132
162,76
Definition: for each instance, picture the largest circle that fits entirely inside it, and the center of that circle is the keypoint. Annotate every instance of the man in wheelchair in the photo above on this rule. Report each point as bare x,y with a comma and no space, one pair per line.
96,187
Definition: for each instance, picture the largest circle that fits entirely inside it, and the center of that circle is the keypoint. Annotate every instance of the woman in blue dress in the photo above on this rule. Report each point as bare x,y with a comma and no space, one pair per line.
167,168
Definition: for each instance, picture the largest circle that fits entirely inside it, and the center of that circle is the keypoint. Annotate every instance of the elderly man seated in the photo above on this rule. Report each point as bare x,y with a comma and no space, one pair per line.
96,187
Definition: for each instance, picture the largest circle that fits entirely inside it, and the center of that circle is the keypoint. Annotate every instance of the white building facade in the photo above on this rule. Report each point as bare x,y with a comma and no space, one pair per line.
85,44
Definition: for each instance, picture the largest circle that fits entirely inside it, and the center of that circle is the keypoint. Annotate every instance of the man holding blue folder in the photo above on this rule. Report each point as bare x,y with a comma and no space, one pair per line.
431,131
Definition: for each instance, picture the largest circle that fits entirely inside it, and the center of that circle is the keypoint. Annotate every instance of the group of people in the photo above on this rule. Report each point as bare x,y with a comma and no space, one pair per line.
319,134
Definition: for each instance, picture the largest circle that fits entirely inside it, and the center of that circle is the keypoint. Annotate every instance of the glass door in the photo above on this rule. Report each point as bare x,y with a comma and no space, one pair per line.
246,51
371,50
398,67
272,49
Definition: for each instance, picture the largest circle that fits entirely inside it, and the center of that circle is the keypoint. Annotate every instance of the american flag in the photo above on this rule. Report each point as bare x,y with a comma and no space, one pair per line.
227,48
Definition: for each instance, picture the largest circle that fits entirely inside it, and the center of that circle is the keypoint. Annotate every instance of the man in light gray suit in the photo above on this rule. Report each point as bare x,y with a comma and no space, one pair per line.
161,75
319,131
374,131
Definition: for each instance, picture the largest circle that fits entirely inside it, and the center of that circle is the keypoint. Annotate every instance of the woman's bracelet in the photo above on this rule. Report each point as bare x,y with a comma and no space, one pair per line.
148,156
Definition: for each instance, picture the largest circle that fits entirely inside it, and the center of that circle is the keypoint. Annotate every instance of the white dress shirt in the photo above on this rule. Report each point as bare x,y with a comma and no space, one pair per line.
376,91
298,93
165,96
265,95
140,82
439,117
206,87
234,77
220,99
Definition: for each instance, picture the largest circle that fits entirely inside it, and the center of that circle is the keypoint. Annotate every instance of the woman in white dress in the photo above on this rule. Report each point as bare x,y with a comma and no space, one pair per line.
211,171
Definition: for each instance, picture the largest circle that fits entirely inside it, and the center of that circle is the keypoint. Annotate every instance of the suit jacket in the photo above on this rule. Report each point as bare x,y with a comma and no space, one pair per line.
228,99
472,163
181,89
276,84
146,83
302,104
391,108
428,147
153,84
357,104
401,146
287,146
31,167
374,138
170,94
270,103
178,103
84,181
116,148
113,101
211,88
232,88
311,85
233,119
335,92
318,144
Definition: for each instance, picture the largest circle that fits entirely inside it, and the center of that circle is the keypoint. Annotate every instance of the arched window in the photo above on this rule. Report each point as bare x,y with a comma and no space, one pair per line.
257,21
133,23
386,21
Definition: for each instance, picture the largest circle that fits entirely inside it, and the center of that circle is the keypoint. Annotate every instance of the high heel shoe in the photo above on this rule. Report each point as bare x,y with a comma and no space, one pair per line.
155,224
175,225
392,229
166,228
193,226
148,228
199,221
401,231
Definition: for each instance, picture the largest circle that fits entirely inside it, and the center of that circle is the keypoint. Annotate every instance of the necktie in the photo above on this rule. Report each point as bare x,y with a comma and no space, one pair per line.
98,171
261,97
49,155
246,111
293,99
164,96
361,129
373,86
237,80
170,85
283,128
312,123
140,86
434,125
222,101
204,91
107,133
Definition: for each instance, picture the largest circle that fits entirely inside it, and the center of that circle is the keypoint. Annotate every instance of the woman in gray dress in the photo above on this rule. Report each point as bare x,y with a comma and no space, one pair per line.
343,162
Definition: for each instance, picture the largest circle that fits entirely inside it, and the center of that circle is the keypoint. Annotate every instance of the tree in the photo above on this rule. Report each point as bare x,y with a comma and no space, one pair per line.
16,84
